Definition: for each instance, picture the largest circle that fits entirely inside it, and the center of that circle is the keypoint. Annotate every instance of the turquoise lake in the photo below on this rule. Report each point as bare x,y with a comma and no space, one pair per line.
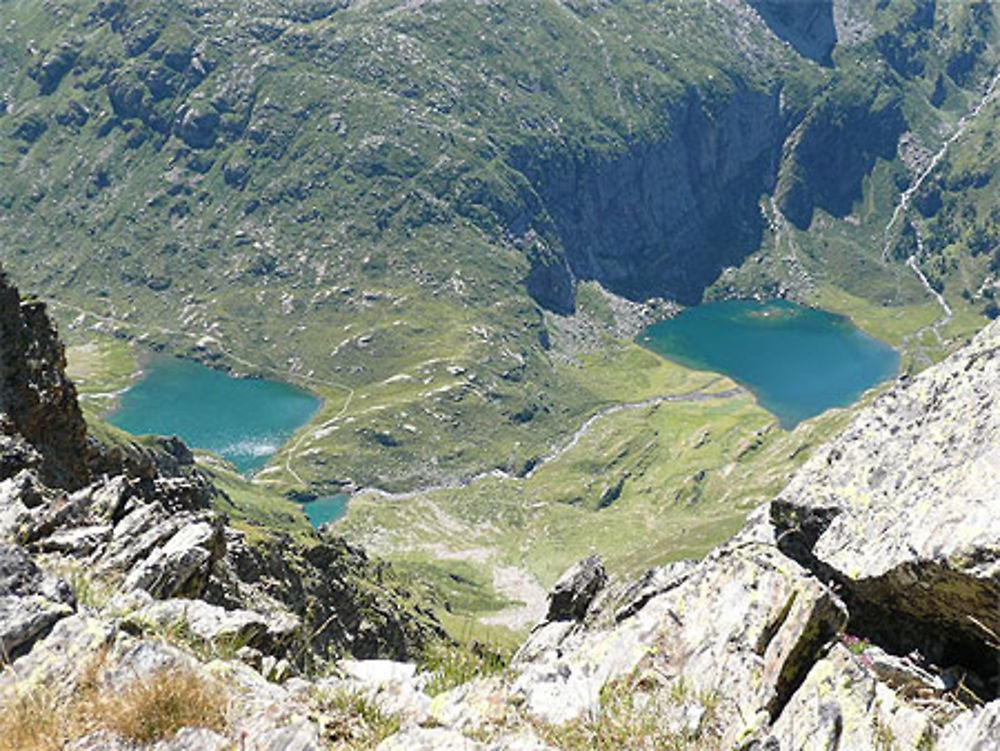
327,509
797,361
244,420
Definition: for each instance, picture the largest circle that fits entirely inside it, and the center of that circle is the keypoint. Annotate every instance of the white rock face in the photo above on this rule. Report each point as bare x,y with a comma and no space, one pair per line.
394,687
840,705
745,625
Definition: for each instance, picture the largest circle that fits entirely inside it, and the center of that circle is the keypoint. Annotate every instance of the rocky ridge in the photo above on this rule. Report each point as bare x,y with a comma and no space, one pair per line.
858,610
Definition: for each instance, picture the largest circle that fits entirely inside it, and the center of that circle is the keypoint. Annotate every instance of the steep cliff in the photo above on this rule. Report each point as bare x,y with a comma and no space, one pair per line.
664,217
37,401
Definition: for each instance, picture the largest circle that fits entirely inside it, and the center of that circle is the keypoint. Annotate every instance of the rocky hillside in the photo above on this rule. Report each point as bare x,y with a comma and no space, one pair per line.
858,610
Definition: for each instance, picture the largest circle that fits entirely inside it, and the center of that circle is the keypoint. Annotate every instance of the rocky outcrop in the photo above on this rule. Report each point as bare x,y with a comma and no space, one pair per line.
31,601
576,589
37,400
746,623
901,509
858,610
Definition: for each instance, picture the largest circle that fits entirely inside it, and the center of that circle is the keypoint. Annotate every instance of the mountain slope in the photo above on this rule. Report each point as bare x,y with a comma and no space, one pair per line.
858,609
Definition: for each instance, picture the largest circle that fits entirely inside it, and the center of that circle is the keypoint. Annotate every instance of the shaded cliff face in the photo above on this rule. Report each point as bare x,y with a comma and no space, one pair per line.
808,26
37,400
664,217
830,153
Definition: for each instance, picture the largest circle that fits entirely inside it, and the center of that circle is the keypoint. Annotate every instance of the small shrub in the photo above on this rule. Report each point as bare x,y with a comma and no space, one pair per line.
353,722
857,645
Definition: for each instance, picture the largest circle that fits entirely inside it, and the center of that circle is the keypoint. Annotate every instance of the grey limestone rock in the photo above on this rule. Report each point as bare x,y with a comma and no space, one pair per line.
901,508
572,594
429,739
182,565
31,601
841,705
746,623
209,625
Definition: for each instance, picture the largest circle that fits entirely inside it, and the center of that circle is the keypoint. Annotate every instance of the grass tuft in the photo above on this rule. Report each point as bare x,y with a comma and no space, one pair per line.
356,723
148,711
630,719
155,709
451,666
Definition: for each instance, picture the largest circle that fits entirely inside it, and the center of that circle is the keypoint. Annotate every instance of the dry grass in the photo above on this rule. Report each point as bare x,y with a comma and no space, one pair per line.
150,710
31,723
157,708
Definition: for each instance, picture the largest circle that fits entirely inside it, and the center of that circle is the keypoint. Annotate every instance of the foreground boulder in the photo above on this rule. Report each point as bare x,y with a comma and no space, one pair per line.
902,511
742,629
31,601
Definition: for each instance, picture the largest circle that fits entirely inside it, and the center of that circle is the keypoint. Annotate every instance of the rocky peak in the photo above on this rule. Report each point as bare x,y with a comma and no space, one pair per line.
37,400
901,511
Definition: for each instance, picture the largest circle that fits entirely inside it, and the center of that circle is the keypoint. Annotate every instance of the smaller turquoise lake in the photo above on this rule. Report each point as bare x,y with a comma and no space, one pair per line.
797,361
244,420
327,509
